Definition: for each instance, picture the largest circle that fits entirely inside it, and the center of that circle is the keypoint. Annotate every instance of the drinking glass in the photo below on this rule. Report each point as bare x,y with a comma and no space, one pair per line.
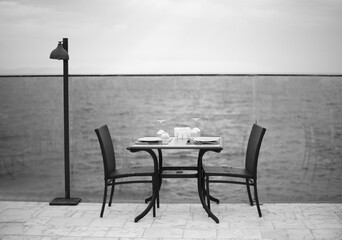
161,131
195,131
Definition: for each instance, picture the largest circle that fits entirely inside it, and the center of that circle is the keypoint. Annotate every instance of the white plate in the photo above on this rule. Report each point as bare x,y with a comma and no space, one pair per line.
149,139
206,139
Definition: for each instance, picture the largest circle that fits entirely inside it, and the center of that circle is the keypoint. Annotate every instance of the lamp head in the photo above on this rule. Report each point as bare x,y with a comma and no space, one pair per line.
59,53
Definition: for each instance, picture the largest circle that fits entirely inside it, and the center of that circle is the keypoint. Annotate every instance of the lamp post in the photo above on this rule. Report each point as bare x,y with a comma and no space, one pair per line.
61,53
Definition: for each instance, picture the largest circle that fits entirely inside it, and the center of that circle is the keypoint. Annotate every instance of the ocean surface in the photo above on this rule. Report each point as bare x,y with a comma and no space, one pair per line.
300,158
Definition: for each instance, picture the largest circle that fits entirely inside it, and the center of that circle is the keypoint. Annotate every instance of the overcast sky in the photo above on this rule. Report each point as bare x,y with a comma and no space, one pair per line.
172,36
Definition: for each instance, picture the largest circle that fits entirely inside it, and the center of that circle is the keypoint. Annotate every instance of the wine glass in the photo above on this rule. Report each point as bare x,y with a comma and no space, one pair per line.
195,131
161,131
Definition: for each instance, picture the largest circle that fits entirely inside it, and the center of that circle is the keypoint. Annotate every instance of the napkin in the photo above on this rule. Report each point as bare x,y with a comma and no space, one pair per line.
206,140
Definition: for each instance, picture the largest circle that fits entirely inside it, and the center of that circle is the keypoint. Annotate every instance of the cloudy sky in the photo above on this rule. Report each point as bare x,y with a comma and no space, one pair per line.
172,36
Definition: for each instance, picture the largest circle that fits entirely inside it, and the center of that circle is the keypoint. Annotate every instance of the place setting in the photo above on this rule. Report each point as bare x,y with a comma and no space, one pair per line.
188,135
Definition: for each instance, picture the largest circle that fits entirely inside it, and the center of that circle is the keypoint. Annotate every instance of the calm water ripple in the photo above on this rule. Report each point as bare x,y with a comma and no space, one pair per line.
300,158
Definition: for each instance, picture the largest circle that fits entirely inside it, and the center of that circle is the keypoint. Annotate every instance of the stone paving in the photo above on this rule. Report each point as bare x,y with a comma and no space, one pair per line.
39,221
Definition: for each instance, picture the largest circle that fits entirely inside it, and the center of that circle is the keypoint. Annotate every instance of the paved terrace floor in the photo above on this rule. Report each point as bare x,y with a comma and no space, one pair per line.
39,221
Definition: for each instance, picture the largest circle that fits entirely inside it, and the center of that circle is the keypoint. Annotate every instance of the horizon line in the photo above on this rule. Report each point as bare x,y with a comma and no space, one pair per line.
173,74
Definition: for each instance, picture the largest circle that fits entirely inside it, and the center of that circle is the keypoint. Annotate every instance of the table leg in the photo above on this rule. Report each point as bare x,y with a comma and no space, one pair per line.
200,186
155,184
160,164
160,158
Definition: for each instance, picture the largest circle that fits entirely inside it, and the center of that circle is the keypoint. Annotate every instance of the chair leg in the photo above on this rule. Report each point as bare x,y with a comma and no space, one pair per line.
207,192
158,182
149,198
104,199
154,187
204,191
158,199
256,197
249,192
111,193
214,199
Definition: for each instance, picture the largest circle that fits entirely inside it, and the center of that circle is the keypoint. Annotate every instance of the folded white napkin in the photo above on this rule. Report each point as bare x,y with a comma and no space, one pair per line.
206,140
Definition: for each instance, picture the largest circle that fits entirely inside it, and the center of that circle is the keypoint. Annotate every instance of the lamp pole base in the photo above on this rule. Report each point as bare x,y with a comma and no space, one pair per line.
65,201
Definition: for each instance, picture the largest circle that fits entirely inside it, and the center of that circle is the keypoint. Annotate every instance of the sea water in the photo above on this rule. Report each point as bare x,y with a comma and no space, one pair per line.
300,157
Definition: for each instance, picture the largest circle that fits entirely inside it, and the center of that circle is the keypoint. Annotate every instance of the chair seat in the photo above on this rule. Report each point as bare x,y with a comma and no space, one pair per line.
132,172
227,172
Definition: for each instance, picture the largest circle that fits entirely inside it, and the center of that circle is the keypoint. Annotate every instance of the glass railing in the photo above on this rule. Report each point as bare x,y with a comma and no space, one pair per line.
300,158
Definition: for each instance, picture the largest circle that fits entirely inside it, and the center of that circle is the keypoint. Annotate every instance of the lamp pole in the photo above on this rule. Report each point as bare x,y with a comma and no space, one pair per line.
66,121
62,53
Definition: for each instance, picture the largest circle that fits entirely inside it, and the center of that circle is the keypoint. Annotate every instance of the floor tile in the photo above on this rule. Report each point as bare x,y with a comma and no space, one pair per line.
123,207
178,208
71,222
206,223
53,212
240,212
125,232
109,222
281,224
49,230
87,207
104,238
62,238
25,220
174,221
170,221
163,232
339,215
238,234
287,234
250,224
143,223
20,212
86,214
127,238
200,233
20,237
281,216
13,228
326,223
327,234
177,215
89,231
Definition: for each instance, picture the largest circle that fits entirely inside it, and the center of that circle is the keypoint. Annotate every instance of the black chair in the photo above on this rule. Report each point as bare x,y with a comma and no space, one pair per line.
112,173
249,172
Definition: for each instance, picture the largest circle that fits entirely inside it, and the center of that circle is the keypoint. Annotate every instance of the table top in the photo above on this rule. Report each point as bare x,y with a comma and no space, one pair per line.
177,143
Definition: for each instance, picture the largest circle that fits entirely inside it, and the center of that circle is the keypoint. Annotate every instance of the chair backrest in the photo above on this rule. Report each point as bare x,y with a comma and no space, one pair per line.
253,148
107,150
